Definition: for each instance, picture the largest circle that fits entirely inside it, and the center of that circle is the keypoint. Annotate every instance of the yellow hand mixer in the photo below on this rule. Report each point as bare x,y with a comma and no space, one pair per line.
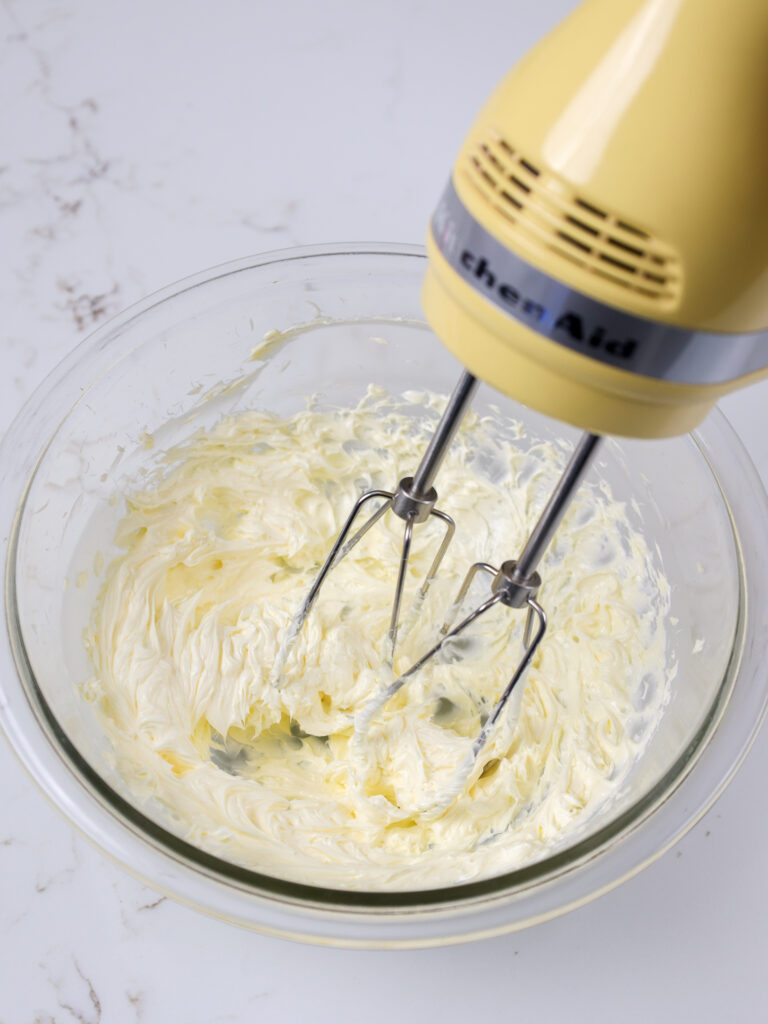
601,255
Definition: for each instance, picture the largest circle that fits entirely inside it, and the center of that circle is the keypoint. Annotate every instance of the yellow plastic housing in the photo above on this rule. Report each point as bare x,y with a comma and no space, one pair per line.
626,156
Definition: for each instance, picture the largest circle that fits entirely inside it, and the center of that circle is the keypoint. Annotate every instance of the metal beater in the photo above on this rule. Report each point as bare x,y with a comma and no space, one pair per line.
516,584
413,501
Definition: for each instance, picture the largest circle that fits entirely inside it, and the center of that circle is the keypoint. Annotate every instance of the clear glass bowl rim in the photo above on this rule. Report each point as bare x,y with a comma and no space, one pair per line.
505,902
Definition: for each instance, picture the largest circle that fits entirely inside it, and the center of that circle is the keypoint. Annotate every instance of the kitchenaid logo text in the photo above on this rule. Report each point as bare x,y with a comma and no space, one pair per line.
568,322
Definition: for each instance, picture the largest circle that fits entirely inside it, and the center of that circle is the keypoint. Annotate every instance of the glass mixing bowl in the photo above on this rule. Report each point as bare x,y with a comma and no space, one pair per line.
192,353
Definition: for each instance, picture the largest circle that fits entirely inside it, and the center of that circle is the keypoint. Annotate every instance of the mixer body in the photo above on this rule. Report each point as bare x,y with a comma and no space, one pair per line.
601,251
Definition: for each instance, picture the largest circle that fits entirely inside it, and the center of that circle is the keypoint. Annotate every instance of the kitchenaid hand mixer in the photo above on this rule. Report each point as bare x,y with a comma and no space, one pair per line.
601,255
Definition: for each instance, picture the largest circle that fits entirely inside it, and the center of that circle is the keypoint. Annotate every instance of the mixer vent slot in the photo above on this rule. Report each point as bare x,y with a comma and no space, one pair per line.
548,216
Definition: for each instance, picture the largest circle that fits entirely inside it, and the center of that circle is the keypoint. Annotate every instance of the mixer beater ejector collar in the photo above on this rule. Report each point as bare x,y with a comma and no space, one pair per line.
414,502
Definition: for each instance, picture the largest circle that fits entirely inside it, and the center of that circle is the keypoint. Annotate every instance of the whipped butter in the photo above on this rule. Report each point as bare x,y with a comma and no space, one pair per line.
213,559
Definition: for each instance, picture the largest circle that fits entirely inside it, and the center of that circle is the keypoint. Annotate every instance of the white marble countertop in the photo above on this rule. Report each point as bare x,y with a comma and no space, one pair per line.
142,142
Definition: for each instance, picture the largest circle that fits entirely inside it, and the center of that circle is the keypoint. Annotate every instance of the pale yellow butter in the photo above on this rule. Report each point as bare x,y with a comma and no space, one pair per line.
217,555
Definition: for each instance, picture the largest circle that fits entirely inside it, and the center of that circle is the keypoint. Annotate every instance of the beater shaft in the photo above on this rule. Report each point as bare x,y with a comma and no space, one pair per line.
430,463
557,505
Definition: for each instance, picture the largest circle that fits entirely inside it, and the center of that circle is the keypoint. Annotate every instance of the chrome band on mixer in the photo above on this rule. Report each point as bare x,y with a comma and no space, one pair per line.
582,324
